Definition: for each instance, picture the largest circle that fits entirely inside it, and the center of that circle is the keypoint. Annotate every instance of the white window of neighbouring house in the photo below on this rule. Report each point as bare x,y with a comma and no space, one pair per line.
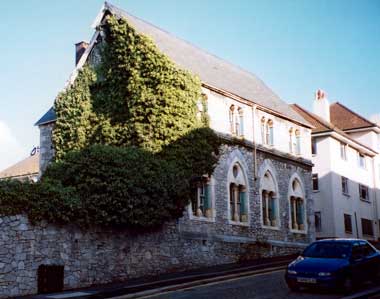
345,185
297,206
347,224
201,200
361,160
367,227
238,197
318,222
363,193
269,201
343,151
313,146
315,182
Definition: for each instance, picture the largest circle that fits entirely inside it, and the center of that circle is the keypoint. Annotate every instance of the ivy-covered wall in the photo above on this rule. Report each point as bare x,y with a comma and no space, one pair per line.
128,141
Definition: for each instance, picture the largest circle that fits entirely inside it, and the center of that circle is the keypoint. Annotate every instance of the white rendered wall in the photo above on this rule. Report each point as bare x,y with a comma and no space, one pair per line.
331,167
218,110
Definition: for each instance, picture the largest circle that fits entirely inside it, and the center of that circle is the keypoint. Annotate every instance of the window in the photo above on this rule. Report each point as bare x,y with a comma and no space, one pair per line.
269,202
201,205
345,185
343,151
291,147
347,224
232,119
367,227
313,146
363,193
236,119
238,203
298,142
297,207
318,222
315,182
267,131
241,122
361,160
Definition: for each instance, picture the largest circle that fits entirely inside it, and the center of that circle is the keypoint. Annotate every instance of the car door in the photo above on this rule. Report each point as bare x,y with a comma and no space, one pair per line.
358,267
372,261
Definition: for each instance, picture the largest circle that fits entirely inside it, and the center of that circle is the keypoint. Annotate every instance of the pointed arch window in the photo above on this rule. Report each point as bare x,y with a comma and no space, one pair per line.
297,207
238,199
269,201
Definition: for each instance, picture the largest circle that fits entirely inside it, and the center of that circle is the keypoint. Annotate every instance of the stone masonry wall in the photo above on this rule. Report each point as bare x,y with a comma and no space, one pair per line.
99,256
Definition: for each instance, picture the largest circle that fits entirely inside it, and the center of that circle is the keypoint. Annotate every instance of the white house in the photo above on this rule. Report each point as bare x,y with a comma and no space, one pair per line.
346,170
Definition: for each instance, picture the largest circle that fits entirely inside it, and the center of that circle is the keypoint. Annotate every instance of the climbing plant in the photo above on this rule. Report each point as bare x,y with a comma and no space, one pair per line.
128,140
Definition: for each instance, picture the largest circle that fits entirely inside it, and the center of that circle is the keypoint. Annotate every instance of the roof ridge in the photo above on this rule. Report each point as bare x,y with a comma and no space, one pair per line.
331,126
355,113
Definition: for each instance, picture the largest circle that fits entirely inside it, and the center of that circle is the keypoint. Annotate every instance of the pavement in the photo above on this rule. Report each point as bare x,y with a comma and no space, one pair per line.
170,280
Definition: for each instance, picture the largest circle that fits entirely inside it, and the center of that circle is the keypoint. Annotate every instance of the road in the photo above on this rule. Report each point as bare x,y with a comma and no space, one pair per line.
262,286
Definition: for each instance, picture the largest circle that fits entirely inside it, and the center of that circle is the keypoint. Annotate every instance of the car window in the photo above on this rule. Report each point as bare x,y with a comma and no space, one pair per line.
338,250
357,252
368,250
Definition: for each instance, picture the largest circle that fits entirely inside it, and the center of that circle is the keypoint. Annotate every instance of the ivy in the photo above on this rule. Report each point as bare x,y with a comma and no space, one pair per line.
128,140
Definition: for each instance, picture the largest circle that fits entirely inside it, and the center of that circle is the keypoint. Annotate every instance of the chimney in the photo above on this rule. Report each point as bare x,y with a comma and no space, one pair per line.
79,50
321,105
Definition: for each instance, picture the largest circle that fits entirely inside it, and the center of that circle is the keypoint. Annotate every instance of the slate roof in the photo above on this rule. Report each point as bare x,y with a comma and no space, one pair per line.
212,70
322,126
346,119
48,117
24,168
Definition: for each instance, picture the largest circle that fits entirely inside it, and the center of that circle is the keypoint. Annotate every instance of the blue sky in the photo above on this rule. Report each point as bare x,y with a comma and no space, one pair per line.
294,46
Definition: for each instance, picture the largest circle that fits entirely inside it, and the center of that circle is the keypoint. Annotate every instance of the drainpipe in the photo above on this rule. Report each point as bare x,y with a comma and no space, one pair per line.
254,107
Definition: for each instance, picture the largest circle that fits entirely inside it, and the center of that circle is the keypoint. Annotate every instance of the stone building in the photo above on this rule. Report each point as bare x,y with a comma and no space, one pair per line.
258,202
346,172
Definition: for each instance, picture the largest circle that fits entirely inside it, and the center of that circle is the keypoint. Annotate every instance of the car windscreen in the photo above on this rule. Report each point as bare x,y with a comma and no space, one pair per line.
335,250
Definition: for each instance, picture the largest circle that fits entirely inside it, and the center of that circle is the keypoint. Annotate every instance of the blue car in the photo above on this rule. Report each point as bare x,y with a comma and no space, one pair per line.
341,264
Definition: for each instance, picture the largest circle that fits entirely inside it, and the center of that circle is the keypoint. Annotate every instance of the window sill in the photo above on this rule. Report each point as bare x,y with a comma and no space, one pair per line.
270,227
365,200
203,219
238,223
347,232
296,231
316,191
346,194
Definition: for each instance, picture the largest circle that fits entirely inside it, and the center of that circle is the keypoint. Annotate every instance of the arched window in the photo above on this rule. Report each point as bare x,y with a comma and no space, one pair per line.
298,142
232,119
297,206
291,140
241,122
269,201
238,200
263,136
201,203
270,137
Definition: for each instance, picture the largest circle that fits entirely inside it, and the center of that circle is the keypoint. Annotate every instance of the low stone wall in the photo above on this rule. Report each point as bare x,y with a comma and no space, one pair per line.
100,256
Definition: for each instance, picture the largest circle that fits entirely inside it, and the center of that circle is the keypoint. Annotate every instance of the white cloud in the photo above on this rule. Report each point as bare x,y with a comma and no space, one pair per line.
11,150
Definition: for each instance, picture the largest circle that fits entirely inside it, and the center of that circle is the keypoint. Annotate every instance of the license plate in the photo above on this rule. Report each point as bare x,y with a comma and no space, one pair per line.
306,280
